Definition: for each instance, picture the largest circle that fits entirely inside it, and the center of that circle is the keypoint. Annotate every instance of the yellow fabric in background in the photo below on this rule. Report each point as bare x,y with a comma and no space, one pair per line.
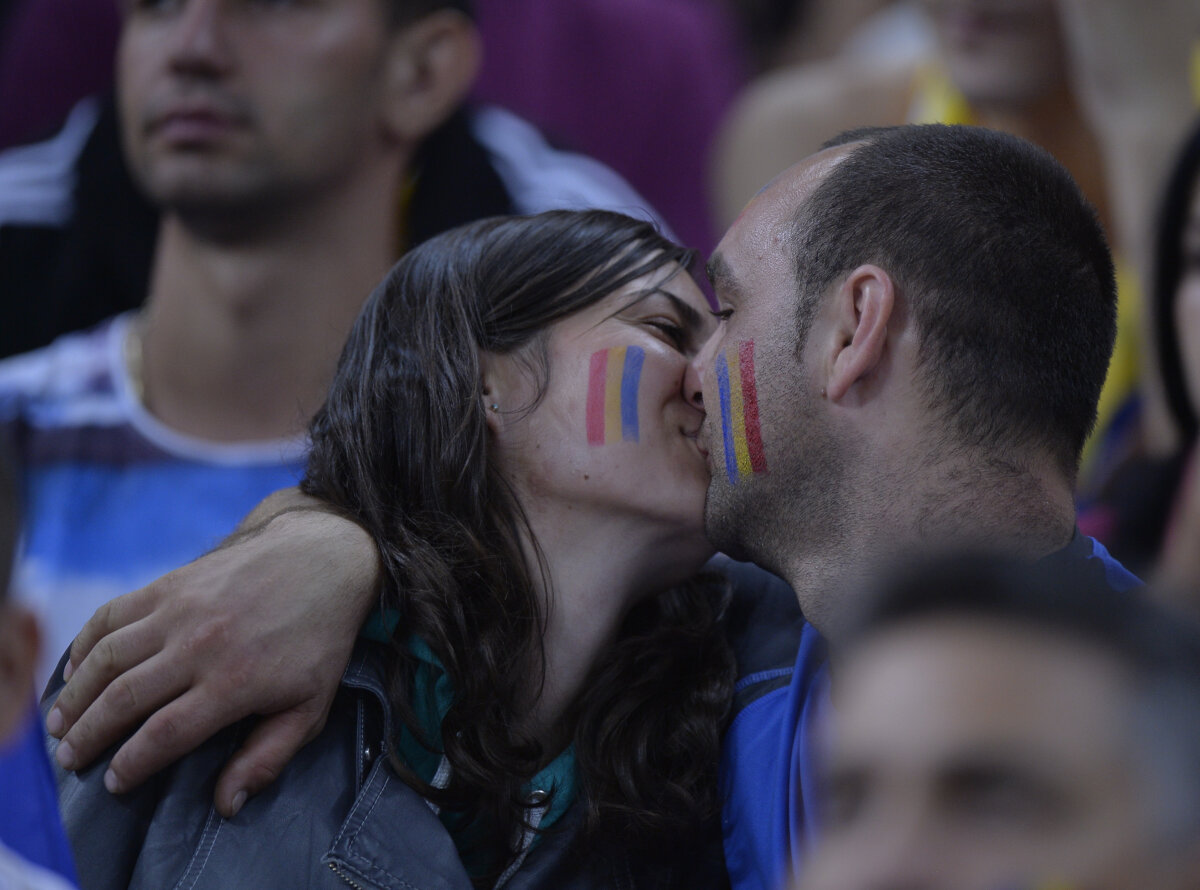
935,100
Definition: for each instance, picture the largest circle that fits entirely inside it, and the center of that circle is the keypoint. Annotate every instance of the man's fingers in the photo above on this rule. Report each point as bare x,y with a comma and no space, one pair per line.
175,729
111,657
117,709
274,741
114,614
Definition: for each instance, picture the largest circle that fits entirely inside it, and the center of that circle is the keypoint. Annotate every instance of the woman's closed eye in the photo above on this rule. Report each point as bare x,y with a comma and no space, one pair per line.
671,331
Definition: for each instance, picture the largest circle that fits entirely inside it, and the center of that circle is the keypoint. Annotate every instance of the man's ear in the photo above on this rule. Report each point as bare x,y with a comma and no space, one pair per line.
863,306
19,646
431,67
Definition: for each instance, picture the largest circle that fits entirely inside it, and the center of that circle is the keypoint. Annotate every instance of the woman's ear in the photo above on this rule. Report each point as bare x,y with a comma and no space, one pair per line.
430,68
494,385
864,303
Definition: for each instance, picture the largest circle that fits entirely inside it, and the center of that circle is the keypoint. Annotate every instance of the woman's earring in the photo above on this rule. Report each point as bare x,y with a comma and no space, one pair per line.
494,406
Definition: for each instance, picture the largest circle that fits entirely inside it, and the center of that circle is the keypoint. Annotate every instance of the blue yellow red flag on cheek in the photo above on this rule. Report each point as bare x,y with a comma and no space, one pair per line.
741,435
612,406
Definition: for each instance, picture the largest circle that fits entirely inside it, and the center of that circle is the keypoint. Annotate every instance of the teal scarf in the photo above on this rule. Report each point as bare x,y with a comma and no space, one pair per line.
432,697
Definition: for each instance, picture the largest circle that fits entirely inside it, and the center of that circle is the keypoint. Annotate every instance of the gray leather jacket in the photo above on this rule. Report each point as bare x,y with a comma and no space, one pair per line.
337,817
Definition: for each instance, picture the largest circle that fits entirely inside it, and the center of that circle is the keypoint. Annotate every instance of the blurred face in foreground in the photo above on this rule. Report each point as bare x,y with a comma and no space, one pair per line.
971,754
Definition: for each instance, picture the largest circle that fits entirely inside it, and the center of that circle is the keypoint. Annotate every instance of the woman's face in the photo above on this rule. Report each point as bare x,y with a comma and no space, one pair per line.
614,437
1187,302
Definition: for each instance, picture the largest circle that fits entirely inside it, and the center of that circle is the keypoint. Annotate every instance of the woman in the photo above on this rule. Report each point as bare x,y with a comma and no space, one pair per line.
509,421
1177,317
1150,514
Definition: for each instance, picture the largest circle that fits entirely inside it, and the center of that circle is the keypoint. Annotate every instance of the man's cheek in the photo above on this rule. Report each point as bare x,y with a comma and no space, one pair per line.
737,397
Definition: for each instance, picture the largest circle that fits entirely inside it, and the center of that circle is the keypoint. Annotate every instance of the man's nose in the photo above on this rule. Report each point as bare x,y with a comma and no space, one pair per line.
200,40
902,847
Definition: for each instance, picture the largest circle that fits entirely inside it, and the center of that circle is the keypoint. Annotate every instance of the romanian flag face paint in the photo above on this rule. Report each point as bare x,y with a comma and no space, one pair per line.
741,435
612,406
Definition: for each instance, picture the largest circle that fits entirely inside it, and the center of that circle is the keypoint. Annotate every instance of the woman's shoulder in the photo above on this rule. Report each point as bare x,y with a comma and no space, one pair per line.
332,813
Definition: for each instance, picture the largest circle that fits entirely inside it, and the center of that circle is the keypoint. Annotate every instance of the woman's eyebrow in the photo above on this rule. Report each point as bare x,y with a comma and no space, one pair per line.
691,319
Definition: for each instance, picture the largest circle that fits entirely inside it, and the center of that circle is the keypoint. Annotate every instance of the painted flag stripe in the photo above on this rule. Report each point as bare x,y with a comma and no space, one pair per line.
597,374
634,356
612,395
754,445
731,469
737,413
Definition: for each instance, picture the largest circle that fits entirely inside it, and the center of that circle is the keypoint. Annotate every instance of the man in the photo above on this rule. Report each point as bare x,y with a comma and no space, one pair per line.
999,725
1020,67
914,402
294,150
886,308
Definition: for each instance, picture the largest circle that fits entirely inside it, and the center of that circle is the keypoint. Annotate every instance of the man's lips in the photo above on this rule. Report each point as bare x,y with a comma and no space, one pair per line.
192,126
193,122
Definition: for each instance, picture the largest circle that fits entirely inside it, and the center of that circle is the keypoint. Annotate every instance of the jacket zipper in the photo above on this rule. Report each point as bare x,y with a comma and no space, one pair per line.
339,873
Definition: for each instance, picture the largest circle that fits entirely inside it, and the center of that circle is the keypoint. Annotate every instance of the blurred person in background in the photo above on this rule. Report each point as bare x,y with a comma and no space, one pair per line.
294,151
1149,512
639,86
998,725
33,848
1034,68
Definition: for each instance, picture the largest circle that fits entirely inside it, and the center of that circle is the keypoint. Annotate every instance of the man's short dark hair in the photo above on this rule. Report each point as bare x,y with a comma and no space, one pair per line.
1071,599
1003,262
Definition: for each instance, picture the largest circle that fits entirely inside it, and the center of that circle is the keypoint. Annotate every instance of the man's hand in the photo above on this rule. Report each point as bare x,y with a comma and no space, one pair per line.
265,625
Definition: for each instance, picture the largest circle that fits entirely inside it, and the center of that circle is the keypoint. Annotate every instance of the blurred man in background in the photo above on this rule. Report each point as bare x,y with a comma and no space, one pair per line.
294,151
33,848
1007,726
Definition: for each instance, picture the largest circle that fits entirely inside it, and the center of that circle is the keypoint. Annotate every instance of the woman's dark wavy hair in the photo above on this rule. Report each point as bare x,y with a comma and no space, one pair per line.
402,447
1168,270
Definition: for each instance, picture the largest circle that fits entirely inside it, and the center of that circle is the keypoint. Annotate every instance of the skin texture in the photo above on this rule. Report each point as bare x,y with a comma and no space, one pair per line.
754,285
975,755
